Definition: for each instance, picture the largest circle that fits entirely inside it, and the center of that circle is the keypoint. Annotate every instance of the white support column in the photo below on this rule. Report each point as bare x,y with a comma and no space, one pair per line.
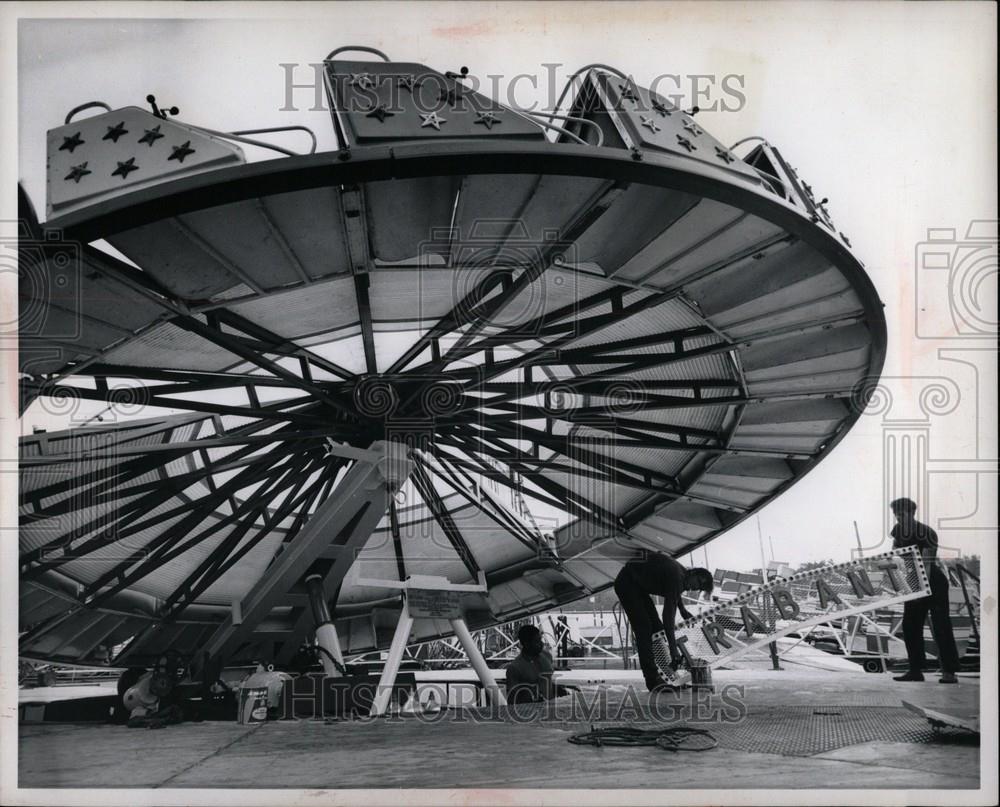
478,662
399,641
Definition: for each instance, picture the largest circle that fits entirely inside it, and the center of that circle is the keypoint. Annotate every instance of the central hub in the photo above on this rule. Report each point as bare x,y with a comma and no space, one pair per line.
401,399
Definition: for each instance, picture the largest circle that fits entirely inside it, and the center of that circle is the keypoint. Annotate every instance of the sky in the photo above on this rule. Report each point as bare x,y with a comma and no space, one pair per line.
887,109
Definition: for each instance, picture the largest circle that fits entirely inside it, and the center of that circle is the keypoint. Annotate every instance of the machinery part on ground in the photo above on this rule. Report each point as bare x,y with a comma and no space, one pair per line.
129,679
675,738
166,674
139,699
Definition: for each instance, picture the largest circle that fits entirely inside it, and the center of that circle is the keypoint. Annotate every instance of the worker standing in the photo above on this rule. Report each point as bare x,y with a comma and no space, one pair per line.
910,532
635,585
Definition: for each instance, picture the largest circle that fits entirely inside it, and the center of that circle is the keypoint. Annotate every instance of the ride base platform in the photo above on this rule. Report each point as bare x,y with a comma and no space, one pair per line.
792,728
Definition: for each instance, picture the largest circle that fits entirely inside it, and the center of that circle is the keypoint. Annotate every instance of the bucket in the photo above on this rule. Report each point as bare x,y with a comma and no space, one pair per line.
701,674
253,705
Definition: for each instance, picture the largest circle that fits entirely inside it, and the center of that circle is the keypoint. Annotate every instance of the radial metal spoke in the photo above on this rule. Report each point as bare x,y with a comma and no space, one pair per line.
451,476
162,491
397,541
475,311
164,547
553,354
354,221
547,252
566,446
182,380
317,492
151,397
539,468
147,458
471,461
235,345
530,330
156,453
251,512
637,432
279,344
666,402
131,512
451,321
572,501
550,353
215,565
92,483
425,487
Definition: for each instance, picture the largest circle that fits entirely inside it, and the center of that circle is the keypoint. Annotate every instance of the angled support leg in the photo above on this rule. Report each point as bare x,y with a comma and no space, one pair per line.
399,641
478,662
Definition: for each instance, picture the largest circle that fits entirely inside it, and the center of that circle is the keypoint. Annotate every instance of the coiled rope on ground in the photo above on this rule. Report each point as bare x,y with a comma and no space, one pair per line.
678,738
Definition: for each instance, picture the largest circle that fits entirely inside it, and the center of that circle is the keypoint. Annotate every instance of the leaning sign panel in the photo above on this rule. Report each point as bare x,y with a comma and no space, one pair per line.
796,603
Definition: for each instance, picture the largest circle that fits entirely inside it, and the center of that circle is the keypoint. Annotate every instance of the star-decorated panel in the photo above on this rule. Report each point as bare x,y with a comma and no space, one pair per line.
654,122
121,150
384,101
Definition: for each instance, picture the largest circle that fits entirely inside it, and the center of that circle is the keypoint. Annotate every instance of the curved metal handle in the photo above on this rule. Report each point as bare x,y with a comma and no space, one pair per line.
360,49
88,105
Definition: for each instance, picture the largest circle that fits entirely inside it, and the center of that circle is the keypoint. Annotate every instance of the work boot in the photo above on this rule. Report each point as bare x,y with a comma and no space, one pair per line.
948,678
659,684
912,675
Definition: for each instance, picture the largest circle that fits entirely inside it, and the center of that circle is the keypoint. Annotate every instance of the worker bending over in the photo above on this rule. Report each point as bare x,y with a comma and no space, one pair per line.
635,586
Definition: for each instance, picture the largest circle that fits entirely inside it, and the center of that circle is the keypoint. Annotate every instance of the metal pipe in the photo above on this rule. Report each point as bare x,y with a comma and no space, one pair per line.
326,631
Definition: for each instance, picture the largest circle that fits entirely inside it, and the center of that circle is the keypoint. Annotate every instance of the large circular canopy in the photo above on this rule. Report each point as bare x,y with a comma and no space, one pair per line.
584,354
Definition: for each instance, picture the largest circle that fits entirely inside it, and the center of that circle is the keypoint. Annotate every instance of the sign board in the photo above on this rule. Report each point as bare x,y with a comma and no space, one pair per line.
433,604
795,603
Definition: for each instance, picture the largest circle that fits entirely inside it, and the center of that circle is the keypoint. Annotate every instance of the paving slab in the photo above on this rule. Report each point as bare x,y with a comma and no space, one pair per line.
85,755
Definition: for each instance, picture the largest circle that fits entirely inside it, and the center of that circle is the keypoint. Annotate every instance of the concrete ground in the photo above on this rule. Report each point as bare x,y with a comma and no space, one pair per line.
791,728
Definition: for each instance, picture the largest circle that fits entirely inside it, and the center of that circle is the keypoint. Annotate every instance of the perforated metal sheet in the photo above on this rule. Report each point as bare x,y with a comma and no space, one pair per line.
800,731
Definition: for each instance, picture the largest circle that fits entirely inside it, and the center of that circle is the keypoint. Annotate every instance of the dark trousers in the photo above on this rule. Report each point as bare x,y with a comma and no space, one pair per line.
642,616
915,614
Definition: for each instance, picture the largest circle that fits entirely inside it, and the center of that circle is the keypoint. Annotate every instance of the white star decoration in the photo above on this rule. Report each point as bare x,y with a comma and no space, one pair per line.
650,124
432,119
